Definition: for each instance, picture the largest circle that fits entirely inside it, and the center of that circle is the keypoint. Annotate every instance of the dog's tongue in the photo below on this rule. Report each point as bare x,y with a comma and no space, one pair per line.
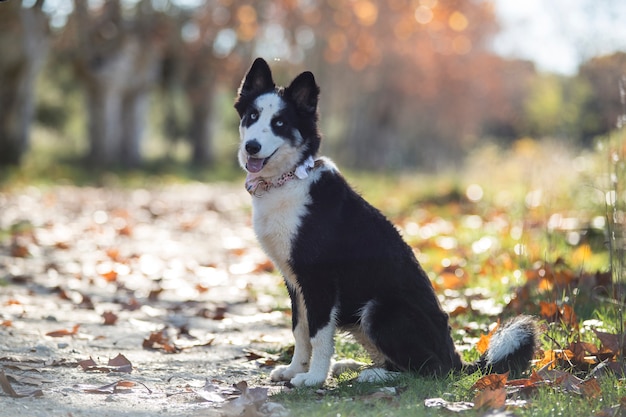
255,164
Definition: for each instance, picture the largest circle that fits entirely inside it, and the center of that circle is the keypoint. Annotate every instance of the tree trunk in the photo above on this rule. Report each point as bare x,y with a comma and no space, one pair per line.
200,132
103,108
23,46
118,72
135,108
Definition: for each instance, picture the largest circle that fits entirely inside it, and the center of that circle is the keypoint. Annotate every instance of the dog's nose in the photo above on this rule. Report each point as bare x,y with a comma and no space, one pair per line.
253,147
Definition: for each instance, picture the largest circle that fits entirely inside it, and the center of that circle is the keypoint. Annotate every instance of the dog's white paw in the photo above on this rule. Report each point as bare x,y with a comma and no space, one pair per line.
308,379
376,375
285,372
346,365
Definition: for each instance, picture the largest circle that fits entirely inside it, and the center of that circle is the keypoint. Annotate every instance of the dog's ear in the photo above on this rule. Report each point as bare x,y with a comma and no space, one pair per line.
304,92
257,80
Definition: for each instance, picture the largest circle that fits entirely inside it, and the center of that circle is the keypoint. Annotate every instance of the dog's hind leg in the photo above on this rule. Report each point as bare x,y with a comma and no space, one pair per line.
411,338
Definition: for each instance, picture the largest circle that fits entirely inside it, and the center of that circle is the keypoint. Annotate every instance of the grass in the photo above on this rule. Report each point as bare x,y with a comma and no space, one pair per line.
346,398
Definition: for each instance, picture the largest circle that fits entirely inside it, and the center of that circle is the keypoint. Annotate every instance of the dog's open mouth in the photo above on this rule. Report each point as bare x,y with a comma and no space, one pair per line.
255,165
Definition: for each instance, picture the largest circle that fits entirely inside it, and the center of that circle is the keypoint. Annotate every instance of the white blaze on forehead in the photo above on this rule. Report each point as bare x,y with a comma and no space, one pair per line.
267,106
269,103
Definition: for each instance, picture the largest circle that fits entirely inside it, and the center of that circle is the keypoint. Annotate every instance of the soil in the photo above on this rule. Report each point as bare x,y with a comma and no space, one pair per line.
180,263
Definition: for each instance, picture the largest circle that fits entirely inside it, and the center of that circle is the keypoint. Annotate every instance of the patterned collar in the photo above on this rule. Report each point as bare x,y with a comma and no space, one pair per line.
256,185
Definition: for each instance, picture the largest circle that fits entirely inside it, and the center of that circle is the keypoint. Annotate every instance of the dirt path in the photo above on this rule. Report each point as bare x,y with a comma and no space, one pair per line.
181,259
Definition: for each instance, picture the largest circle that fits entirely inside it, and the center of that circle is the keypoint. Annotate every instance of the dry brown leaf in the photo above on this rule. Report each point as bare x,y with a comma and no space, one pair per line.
612,342
36,380
387,394
117,364
87,363
490,398
586,354
549,311
590,388
8,389
111,388
64,332
120,363
110,318
248,404
265,266
483,343
567,315
460,310
159,341
109,276
491,382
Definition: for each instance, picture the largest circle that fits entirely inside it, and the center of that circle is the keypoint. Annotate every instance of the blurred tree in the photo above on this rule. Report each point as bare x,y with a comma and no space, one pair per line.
427,85
23,48
117,59
553,106
203,51
405,83
604,105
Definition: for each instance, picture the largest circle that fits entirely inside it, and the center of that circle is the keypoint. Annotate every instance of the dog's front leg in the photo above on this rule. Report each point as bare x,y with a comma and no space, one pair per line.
301,355
302,351
323,347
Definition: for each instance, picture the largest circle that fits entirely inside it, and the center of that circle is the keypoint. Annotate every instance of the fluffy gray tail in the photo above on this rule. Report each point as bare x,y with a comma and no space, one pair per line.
511,348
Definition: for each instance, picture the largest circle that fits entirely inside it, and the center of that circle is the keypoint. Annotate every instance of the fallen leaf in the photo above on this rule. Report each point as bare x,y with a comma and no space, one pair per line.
64,332
549,311
590,388
490,398
159,341
109,275
211,393
483,343
111,388
262,358
568,317
219,313
110,318
120,363
28,379
117,364
491,382
385,393
612,342
8,389
459,311
248,404
87,363
264,266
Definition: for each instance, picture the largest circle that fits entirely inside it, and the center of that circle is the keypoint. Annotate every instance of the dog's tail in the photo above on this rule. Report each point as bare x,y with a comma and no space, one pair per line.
511,348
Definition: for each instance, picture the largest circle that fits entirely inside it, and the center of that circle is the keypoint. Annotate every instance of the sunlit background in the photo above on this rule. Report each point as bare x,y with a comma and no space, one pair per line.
406,84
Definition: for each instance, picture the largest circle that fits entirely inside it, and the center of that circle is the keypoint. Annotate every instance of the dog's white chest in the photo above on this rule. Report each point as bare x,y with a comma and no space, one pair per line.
277,215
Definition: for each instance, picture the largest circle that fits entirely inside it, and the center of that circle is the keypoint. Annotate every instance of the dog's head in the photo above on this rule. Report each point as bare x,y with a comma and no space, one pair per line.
278,127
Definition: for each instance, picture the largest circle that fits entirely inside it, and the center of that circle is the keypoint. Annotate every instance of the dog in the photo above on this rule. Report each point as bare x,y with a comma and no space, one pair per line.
346,267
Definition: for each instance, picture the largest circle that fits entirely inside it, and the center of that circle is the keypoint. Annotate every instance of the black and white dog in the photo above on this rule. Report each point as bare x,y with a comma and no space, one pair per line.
345,265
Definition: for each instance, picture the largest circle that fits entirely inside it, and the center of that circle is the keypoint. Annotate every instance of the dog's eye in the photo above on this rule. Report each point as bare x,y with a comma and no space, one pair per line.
254,115
279,123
